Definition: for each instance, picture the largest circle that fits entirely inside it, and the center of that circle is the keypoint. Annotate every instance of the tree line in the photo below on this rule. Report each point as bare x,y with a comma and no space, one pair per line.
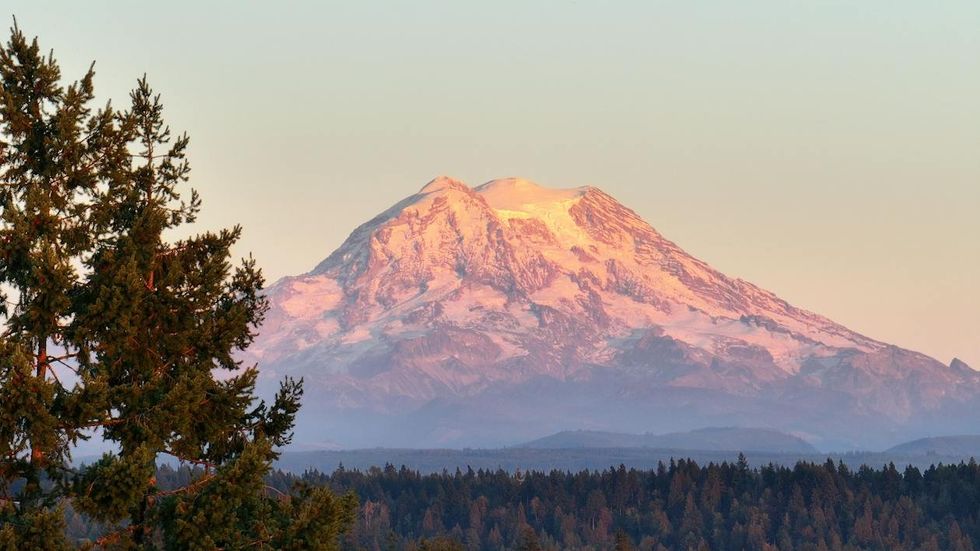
679,506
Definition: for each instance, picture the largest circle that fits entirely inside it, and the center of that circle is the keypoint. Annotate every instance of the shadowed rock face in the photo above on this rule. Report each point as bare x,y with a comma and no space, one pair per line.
496,314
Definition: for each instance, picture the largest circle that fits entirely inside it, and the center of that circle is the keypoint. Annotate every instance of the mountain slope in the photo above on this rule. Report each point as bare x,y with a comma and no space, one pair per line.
481,316
967,445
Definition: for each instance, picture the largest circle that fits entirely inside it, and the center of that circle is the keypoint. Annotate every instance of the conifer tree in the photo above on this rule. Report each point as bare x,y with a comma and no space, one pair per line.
54,153
156,321
149,329
623,542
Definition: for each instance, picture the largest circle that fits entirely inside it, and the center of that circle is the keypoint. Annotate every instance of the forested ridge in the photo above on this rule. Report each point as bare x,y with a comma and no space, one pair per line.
681,505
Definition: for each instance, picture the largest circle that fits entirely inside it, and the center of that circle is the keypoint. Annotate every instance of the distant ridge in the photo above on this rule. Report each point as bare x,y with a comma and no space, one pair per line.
967,445
707,439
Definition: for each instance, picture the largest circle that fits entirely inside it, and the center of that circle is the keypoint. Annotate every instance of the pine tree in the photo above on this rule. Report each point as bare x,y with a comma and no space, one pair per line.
150,328
528,540
440,544
623,542
54,154
157,320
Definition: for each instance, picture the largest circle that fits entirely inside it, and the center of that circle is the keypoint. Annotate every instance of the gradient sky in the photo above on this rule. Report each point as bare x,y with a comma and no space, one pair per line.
826,150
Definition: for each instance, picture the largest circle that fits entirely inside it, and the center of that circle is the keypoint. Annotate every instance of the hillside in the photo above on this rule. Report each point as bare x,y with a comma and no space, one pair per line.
963,445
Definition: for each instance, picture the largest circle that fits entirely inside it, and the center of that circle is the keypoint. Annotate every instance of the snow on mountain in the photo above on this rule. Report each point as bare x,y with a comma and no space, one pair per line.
441,320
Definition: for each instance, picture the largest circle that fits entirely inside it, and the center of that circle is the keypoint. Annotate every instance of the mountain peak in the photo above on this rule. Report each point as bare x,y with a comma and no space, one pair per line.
520,195
442,183
459,297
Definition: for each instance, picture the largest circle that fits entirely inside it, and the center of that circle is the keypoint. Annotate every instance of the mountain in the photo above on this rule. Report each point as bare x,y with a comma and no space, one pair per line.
485,316
709,439
963,445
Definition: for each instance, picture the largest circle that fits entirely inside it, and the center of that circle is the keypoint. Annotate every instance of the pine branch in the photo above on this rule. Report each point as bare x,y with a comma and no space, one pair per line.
106,423
207,477
54,376
196,462
113,537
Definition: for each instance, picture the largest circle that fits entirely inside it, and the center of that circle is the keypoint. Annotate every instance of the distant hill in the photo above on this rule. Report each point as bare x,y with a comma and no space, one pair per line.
967,445
709,439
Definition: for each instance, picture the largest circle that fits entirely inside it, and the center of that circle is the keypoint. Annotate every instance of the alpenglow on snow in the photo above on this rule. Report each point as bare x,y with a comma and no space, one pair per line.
497,314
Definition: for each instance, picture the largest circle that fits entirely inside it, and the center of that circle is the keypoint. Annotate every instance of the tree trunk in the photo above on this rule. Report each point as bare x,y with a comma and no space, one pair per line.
37,454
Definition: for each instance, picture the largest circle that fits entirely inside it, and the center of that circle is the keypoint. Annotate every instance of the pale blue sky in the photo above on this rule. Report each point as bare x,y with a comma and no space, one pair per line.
826,150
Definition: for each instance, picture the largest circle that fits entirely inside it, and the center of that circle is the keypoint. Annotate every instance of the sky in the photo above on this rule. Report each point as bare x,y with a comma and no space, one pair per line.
824,150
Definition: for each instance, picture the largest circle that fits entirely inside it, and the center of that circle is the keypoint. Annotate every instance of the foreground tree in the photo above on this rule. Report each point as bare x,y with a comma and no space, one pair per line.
156,320
145,324
54,154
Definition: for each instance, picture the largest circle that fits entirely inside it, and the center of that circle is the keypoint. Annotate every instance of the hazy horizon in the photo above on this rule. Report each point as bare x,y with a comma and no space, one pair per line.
824,152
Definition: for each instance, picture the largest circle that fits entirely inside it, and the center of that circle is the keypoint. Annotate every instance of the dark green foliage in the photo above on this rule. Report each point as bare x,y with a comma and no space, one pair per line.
54,154
528,540
232,511
37,530
313,518
111,488
623,542
681,506
438,544
141,326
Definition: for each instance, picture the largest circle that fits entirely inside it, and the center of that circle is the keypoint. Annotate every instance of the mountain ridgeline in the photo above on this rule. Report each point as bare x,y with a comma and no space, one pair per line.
493,315
963,445
709,439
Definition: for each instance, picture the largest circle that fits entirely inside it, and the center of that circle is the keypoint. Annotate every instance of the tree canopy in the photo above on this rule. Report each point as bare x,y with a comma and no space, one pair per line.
113,330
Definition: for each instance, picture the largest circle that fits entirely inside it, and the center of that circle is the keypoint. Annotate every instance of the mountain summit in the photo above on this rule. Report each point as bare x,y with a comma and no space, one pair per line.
495,314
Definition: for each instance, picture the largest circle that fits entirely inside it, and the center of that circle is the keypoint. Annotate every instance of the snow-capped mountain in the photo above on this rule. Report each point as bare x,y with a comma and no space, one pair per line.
495,314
